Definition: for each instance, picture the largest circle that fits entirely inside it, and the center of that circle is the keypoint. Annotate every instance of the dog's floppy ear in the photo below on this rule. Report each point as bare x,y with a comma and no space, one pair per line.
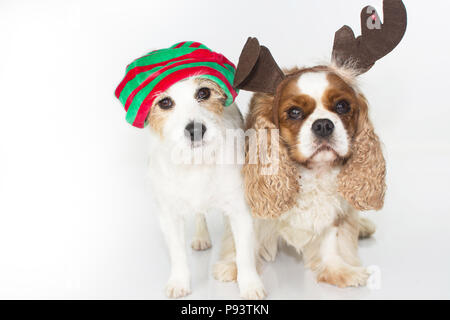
270,176
362,179
257,70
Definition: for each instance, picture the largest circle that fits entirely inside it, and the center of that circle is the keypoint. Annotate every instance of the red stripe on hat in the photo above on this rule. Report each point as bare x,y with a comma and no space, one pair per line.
157,73
165,83
136,70
221,59
179,45
195,45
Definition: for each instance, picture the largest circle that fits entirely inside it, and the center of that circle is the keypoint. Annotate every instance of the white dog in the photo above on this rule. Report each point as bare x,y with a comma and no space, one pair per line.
188,123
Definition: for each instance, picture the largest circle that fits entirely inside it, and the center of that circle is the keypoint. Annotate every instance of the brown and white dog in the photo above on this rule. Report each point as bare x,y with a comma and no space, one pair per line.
330,162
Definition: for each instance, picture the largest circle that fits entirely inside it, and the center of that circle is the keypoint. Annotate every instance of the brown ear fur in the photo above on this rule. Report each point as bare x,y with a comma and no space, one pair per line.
362,180
268,195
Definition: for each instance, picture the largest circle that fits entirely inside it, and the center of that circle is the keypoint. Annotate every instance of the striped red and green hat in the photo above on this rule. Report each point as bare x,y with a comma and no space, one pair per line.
155,72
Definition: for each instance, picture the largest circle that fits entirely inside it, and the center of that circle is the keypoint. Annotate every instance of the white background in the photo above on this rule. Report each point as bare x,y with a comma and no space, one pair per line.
76,215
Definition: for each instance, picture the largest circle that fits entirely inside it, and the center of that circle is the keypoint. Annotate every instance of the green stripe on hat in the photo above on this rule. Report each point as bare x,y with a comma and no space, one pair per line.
159,57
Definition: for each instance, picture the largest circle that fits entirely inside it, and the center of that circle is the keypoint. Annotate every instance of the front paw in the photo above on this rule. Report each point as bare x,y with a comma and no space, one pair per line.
225,271
269,251
252,289
200,244
344,276
177,288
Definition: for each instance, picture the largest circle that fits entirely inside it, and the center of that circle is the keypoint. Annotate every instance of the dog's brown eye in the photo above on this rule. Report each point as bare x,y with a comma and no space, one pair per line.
295,113
342,107
203,93
165,103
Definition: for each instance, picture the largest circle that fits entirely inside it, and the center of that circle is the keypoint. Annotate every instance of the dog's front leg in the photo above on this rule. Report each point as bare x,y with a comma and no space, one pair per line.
249,282
334,255
172,226
202,240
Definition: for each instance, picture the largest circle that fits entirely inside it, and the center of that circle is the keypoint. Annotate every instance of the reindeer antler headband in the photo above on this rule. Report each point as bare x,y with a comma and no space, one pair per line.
257,70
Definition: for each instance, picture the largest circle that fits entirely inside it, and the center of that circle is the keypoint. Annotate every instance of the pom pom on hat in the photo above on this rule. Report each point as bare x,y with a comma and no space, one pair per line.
155,72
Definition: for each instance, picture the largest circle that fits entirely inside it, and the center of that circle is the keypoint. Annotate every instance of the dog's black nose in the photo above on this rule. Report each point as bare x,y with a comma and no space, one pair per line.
195,131
322,128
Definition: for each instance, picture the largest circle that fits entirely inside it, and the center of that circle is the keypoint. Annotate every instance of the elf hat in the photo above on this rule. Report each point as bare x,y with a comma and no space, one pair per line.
155,72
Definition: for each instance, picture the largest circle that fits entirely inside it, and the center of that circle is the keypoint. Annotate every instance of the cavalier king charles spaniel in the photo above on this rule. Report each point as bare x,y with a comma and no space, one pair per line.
332,166
328,157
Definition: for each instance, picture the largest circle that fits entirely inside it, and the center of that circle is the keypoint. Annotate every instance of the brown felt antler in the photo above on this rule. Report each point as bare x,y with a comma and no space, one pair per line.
257,70
376,40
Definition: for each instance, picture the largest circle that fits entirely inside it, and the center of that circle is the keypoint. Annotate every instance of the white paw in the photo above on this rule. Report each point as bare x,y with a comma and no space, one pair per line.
225,271
342,277
177,288
366,228
201,244
252,290
268,253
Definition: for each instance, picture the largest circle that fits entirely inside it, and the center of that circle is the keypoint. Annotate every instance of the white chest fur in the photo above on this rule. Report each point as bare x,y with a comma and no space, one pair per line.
317,208
195,188
198,186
